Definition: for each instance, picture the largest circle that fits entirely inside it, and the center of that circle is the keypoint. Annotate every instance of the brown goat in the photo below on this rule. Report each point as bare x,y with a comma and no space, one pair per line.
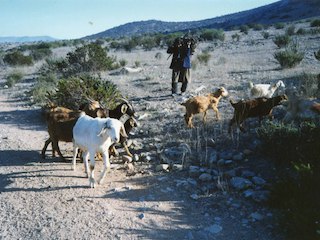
128,126
201,104
61,121
257,107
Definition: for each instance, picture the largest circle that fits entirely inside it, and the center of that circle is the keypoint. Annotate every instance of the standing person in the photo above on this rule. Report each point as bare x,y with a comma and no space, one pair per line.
181,51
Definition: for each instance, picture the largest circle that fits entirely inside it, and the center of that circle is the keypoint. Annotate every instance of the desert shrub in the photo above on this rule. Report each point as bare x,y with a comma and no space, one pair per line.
290,30
290,57
13,77
123,62
279,25
298,199
257,27
317,55
309,84
296,194
137,63
315,23
40,51
89,58
301,31
289,144
45,85
314,31
158,55
204,57
73,91
212,34
282,40
265,35
236,37
16,58
244,29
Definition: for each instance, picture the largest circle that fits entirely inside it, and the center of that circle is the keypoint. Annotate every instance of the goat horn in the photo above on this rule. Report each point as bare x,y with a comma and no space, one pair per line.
126,101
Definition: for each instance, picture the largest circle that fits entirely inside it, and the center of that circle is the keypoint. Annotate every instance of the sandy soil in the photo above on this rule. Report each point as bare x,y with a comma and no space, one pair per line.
45,199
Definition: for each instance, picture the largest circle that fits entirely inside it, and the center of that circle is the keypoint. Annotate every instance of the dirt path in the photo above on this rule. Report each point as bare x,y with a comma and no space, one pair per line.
47,200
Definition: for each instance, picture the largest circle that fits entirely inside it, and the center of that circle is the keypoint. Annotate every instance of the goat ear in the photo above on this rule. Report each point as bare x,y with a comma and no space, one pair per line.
124,108
123,131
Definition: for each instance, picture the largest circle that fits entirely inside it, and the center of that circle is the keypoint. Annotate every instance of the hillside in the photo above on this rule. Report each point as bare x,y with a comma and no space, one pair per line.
281,11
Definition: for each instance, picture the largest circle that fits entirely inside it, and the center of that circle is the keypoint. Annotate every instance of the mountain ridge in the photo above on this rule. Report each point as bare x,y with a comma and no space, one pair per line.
280,11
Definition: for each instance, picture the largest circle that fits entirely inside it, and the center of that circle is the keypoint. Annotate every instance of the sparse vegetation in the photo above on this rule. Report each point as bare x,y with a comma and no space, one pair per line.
279,25
296,193
282,40
315,23
317,55
265,35
13,78
290,30
244,29
212,34
16,58
290,57
72,92
204,57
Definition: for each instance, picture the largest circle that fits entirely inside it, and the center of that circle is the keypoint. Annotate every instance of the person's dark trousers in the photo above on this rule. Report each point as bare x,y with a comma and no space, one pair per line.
184,86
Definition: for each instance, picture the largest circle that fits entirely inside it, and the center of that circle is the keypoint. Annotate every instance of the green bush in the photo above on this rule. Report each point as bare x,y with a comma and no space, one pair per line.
309,85
16,58
73,91
265,35
290,57
44,87
41,51
212,34
317,55
289,144
298,199
296,150
204,57
123,62
244,29
89,58
13,78
279,25
302,31
290,30
236,37
315,23
282,40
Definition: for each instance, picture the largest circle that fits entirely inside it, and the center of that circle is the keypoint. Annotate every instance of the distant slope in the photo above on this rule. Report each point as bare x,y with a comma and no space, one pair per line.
281,11
26,39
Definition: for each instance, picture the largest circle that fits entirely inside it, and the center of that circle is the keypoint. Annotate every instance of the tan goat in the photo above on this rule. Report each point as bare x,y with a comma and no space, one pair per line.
201,104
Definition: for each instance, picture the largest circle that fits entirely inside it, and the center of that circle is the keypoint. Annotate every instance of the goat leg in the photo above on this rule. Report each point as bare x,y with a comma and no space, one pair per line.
106,165
43,152
124,144
55,146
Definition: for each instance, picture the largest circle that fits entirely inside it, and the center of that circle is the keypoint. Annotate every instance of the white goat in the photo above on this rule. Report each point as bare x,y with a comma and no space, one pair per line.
264,90
95,135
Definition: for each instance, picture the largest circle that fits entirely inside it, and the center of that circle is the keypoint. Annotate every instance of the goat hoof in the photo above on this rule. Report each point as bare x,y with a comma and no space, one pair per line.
92,183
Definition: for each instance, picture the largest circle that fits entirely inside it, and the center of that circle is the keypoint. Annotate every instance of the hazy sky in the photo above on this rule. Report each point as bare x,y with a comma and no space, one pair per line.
67,19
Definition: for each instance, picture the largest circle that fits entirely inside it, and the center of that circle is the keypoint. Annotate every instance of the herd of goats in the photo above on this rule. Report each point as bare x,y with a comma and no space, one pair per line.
95,130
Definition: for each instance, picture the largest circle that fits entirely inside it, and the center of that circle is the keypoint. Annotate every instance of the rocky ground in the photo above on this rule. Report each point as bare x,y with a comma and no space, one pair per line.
220,196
